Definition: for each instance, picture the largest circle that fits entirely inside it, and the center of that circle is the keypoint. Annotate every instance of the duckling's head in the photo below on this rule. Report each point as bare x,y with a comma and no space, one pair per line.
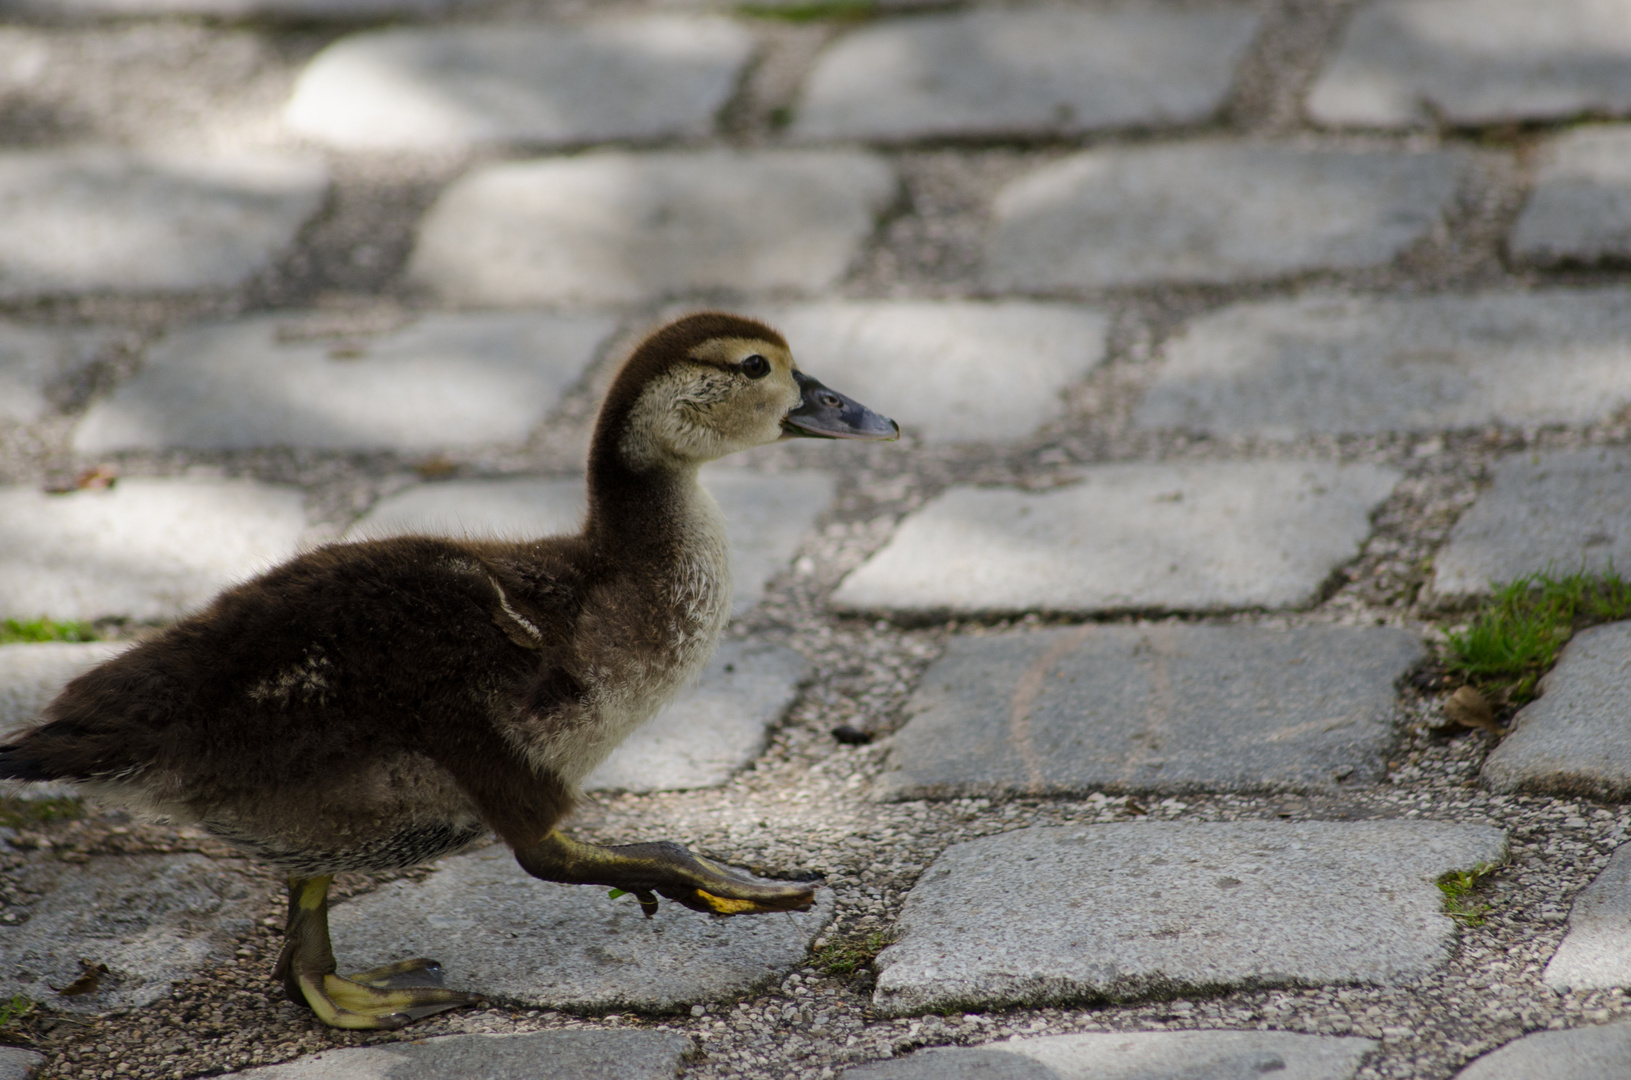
711,384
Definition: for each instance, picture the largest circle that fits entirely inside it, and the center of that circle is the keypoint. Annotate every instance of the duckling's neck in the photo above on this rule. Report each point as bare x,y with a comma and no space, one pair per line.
651,625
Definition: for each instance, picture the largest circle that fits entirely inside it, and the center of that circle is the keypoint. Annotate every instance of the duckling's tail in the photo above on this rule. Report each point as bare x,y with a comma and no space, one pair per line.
16,763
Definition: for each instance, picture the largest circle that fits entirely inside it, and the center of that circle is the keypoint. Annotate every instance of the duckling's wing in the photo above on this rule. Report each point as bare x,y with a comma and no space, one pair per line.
347,656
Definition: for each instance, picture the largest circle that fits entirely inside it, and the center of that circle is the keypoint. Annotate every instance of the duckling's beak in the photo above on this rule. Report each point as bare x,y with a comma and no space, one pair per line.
827,414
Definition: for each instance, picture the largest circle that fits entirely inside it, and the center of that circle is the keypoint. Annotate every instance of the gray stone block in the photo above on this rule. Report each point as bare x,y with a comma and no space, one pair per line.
1160,708
558,1055
442,381
302,10
1135,1055
102,220
145,549
31,675
31,360
152,919
1136,537
19,1064
512,937
615,227
1414,63
1596,952
452,87
1149,908
1213,212
1559,511
766,514
1580,211
711,730
1574,740
1326,364
1583,1053
948,371
1018,71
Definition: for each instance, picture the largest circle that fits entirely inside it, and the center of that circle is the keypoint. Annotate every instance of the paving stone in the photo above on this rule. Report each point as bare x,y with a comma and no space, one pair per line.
303,10
766,514
1004,72
1581,207
31,675
1582,1053
18,1064
32,361
711,730
1327,364
1160,708
1189,537
1560,510
1213,212
1414,63
615,227
1151,908
103,220
559,1055
1596,952
145,549
948,371
1134,1055
512,937
1574,739
444,380
152,919
451,87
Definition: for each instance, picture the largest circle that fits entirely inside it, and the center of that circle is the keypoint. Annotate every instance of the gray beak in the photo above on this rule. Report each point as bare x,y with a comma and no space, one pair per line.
827,414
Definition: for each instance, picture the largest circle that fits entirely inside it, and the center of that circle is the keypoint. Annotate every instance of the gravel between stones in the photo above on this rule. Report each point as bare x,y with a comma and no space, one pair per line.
804,807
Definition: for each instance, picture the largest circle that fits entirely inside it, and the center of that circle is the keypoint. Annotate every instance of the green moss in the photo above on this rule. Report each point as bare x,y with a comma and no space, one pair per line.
846,957
18,1009
1457,885
1517,633
32,631
818,11
18,813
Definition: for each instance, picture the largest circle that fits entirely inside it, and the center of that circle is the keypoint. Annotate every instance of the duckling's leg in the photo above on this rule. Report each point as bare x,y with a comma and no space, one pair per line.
664,868
386,997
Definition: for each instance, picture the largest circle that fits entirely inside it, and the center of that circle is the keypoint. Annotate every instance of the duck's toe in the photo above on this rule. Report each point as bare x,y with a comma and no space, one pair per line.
343,1002
725,892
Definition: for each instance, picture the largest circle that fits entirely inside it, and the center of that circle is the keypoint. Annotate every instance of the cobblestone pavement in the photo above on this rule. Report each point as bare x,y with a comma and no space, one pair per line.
1238,345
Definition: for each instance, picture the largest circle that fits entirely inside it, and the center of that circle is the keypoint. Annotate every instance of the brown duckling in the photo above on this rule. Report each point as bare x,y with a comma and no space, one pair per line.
377,705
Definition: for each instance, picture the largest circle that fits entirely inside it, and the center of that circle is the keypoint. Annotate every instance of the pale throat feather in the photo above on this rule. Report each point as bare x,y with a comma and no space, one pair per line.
626,688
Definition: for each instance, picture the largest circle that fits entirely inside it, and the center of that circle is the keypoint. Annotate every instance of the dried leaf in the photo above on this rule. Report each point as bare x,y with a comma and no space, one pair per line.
96,478
89,981
1468,708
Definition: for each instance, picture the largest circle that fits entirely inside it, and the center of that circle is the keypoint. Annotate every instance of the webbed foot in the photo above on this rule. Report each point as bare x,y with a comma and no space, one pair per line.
662,869
344,1002
385,997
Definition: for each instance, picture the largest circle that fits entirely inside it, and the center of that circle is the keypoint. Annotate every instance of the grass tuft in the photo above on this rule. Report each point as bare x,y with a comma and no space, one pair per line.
1456,885
1516,635
34,631
818,11
845,958
19,1007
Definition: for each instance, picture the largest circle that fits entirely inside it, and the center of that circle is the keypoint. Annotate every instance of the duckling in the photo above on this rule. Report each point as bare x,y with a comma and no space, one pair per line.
378,705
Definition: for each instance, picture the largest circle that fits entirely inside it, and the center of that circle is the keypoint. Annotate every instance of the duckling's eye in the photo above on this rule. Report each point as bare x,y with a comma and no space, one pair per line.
756,367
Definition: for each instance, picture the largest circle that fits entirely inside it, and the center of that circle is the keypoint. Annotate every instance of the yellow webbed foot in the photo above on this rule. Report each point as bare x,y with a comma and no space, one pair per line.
662,869
351,1003
381,998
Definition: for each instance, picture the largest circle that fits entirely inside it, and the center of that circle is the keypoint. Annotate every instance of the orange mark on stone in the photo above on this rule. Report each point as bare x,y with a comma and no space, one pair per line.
1024,700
